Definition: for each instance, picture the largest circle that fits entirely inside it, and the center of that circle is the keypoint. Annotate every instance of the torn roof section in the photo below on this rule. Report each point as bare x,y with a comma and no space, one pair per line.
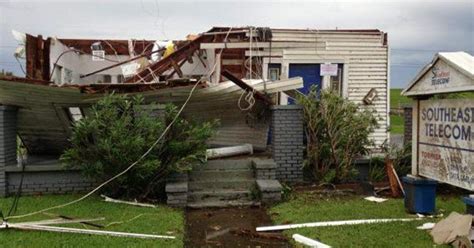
95,61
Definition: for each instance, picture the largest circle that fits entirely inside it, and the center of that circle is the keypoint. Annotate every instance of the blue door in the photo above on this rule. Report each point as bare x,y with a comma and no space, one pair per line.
310,74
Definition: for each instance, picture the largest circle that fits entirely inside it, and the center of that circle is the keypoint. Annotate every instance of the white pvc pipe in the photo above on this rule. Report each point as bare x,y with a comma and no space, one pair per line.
330,223
87,231
309,242
229,151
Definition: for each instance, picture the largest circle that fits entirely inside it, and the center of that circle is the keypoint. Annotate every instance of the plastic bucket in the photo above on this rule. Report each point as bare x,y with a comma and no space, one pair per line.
469,204
420,195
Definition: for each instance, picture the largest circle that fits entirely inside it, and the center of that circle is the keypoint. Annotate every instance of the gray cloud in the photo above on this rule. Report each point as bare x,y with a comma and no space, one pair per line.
417,29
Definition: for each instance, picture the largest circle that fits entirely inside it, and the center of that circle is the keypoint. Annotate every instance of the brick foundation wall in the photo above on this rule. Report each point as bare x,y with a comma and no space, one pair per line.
408,117
287,142
48,182
7,143
49,178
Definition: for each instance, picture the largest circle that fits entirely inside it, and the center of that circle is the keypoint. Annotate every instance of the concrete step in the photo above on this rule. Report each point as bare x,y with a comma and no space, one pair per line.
212,175
225,164
220,184
222,204
219,195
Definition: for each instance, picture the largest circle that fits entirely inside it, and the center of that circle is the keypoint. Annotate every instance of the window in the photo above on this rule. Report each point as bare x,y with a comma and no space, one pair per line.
120,79
274,72
58,74
67,75
75,113
335,82
107,79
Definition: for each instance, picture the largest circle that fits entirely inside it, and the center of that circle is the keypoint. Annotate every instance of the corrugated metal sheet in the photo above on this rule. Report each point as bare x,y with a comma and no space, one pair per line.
44,126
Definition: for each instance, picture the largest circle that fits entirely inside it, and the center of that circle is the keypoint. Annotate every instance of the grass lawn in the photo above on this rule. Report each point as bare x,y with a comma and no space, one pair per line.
309,207
162,220
397,124
397,100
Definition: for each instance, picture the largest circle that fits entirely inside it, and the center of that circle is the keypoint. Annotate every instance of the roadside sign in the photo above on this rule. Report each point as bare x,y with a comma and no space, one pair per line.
446,141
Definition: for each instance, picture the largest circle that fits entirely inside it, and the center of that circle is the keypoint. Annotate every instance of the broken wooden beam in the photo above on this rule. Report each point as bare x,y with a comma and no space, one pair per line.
157,68
246,87
395,184
177,68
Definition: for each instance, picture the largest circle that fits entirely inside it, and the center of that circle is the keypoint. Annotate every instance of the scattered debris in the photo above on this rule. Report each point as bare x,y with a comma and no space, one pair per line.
135,203
253,234
229,151
217,233
375,199
448,229
309,242
332,223
395,184
61,221
426,226
20,226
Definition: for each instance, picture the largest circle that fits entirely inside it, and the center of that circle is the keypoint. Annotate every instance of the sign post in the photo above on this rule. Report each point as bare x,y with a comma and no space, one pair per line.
443,121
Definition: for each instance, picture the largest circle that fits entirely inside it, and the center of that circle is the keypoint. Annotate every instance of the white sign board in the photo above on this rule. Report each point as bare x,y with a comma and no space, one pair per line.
446,141
328,70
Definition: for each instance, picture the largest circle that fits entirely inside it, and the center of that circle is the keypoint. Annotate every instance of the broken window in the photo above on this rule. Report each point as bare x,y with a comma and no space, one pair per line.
67,76
75,113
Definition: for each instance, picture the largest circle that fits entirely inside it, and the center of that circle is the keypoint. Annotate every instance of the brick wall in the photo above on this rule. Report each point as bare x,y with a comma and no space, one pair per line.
408,117
7,143
50,178
287,142
48,182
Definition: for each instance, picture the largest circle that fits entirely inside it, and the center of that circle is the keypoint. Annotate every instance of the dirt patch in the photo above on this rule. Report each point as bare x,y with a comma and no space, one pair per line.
230,227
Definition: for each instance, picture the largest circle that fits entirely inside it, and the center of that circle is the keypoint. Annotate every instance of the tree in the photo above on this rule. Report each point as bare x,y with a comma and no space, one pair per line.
337,131
119,130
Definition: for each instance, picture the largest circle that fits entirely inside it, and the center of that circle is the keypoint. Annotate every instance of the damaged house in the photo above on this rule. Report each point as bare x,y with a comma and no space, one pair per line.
248,78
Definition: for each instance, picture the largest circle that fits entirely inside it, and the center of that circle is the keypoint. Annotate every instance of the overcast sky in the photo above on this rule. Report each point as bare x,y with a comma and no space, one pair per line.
417,29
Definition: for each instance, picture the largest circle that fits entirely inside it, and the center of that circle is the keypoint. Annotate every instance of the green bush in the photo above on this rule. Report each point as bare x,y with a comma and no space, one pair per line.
119,130
337,131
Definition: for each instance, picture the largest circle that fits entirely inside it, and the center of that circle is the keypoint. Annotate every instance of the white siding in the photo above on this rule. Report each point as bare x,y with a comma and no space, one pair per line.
365,60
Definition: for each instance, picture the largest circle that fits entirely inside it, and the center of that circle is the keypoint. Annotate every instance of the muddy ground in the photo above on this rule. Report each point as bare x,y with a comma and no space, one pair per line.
230,227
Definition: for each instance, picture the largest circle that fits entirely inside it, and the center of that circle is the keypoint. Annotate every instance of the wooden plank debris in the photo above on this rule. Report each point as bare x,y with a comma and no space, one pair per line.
395,184
246,87
332,223
309,242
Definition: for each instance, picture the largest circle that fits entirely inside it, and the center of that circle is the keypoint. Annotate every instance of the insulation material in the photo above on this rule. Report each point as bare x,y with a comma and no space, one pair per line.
448,229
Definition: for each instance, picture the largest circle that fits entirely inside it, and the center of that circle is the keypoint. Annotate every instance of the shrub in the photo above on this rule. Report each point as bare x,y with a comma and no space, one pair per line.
337,131
119,130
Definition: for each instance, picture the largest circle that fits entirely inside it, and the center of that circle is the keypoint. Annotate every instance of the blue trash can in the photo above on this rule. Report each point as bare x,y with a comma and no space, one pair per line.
469,201
420,195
